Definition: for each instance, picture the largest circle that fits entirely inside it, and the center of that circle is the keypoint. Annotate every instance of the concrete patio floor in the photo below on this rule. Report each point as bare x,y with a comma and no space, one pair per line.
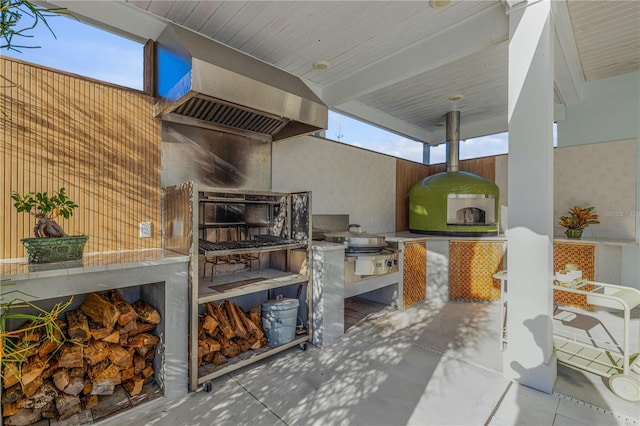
431,364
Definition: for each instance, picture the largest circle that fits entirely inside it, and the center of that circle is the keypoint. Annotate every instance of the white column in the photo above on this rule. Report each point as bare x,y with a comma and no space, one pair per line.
529,357
426,153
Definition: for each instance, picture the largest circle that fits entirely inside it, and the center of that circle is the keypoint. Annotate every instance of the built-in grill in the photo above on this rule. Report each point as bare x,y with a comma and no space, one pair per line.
366,255
261,242
454,202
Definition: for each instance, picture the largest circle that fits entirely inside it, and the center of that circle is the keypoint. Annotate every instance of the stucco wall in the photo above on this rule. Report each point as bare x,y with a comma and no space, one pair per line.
602,175
343,180
609,111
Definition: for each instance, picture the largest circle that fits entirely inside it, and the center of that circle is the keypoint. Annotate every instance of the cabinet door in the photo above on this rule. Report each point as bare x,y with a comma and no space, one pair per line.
471,268
415,273
582,255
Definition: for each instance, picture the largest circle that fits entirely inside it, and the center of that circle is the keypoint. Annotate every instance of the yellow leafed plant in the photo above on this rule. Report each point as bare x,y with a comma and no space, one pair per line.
579,218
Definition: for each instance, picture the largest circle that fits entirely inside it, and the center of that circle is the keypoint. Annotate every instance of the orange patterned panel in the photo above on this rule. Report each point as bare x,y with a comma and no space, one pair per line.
582,255
471,268
415,273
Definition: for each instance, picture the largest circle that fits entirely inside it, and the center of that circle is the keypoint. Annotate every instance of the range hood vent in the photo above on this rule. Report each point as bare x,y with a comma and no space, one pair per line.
215,111
207,84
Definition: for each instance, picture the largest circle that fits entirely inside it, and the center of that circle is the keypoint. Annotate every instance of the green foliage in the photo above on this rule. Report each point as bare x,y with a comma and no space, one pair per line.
579,218
39,204
40,327
19,17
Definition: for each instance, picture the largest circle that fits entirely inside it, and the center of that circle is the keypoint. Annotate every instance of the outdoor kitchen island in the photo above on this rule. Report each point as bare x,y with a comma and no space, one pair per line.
462,268
333,284
426,271
157,277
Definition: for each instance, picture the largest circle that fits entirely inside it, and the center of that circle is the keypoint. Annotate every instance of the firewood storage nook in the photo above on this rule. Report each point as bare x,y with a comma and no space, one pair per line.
126,319
247,248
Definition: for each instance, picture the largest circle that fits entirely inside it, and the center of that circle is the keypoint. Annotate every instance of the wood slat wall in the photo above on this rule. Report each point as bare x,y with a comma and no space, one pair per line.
409,173
98,141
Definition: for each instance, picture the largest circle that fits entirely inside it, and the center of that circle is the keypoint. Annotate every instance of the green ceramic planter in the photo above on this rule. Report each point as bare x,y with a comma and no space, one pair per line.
574,234
47,250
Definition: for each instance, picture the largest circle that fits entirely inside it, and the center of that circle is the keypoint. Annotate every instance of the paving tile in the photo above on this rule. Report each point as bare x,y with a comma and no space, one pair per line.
467,331
376,382
494,421
587,414
226,404
525,406
429,365
593,390
458,394
566,421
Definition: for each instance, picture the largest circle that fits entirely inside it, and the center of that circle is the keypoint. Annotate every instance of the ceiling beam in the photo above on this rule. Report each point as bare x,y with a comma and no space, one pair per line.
377,118
487,126
466,37
115,16
569,77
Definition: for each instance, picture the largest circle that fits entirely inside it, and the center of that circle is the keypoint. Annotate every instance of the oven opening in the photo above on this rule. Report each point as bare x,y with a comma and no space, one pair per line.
470,216
470,209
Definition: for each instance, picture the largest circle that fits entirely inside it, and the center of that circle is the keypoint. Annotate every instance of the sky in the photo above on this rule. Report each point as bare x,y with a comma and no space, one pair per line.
82,49
89,51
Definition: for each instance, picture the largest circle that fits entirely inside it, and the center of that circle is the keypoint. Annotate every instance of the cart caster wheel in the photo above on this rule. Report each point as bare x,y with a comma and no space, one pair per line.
208,387
626,387
303,346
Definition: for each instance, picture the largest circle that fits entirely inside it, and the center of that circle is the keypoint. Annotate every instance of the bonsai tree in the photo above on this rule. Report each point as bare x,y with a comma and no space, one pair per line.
45,209
579,218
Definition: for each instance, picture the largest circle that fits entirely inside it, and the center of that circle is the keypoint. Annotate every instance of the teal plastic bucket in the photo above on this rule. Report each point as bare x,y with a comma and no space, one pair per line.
279,318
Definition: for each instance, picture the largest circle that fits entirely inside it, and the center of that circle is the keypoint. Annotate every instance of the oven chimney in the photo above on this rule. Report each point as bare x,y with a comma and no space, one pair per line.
453,141
454,202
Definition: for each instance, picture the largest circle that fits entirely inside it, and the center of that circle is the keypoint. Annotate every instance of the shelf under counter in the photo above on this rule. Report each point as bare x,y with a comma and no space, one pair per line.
207,372
225,286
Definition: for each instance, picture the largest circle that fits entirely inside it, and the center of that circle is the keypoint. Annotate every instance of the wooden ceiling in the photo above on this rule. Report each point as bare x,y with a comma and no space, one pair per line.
397,63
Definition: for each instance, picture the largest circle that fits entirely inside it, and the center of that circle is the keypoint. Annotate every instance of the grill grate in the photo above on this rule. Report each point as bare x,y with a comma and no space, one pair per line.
209,248
229,115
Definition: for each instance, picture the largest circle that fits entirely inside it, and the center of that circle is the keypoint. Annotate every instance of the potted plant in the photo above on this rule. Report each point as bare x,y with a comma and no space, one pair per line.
51,243
578,219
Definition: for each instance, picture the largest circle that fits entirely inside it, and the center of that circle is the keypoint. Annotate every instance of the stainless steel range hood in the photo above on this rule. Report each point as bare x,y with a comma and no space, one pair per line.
207,84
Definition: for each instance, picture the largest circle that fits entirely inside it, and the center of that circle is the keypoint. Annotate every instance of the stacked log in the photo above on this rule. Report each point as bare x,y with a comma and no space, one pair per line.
225,331
105,343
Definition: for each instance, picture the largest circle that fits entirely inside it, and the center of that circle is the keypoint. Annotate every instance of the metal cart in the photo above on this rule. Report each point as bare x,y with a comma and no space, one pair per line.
617,367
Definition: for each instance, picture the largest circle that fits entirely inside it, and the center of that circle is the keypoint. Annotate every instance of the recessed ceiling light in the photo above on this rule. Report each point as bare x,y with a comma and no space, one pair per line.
441,124
439,4
456,97
321,65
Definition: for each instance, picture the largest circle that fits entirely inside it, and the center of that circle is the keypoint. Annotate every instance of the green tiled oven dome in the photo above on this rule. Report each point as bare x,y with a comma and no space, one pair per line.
428,204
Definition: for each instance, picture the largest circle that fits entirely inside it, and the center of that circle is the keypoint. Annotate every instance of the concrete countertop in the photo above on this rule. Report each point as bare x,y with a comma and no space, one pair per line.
410,236
19,269
600,241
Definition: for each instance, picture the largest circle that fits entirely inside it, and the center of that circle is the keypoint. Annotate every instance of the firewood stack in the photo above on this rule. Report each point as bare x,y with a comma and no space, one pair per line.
226,331
106,342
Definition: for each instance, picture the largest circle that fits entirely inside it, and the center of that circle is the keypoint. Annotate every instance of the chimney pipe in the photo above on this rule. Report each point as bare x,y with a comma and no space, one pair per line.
453,141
